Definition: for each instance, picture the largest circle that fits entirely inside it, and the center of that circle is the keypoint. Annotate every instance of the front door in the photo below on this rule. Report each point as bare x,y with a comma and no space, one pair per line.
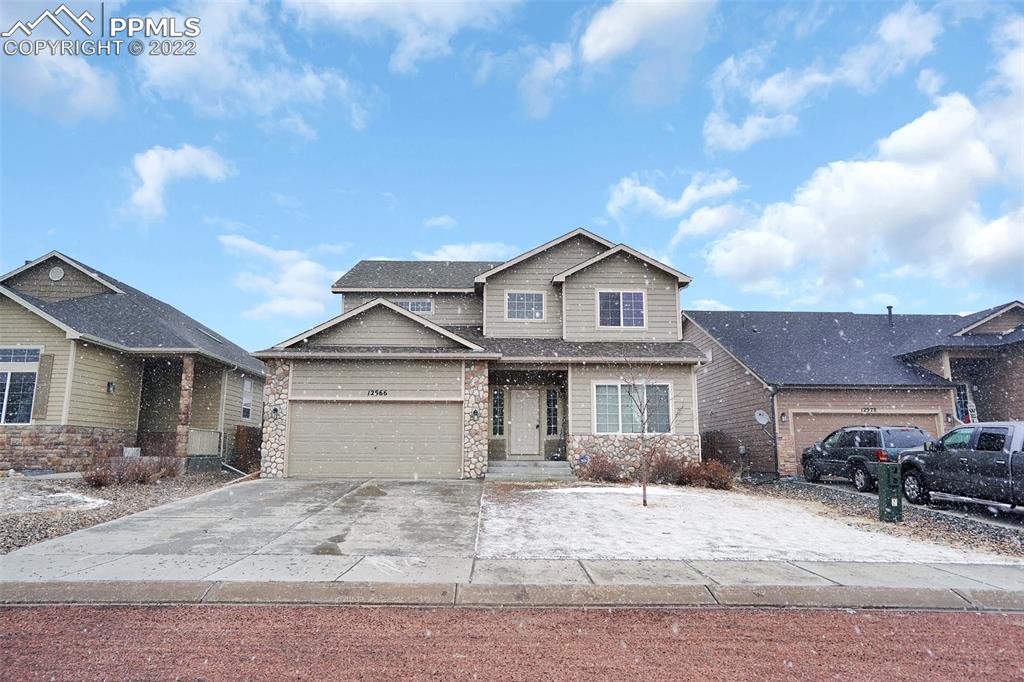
524,422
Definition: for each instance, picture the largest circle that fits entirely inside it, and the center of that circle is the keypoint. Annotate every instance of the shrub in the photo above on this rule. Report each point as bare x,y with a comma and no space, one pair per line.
99,477
708,474
666,469
600,468
717,475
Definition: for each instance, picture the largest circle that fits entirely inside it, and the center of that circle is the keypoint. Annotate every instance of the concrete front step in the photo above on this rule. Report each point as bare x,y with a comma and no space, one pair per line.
525,470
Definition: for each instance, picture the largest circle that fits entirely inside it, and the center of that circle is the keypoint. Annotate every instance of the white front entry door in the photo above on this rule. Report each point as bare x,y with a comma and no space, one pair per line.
525,422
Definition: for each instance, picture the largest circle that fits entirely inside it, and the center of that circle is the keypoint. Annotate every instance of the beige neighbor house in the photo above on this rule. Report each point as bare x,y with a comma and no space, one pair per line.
90,365
815,372
444,369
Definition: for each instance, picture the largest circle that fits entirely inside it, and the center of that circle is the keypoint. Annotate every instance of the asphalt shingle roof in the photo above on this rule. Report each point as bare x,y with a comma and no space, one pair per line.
840,349
558,348
137,320
414,274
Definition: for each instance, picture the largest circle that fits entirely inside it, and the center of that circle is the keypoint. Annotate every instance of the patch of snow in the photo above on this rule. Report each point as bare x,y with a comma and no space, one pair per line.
595,522
19,496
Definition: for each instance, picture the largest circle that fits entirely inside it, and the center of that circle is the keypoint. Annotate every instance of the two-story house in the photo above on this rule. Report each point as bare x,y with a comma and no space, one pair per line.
435,369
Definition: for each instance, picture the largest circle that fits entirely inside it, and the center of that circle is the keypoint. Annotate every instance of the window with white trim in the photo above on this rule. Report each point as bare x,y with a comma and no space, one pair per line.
524,305
621,309
422,306
18,384
623,408
247,398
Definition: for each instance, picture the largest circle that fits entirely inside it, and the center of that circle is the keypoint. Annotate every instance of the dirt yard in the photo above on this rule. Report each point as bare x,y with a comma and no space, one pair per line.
277,643
33,510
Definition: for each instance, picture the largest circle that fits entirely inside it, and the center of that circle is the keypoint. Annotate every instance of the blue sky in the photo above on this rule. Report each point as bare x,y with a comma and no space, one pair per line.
787,156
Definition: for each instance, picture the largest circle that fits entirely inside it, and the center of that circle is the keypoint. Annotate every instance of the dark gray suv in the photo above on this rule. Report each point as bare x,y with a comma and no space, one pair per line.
854,452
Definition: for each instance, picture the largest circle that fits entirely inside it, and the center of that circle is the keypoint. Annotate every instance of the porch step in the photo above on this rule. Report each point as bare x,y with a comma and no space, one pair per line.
527,470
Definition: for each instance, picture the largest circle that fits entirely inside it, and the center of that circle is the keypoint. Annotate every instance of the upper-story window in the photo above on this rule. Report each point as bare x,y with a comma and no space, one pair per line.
621,309
524,305
420,306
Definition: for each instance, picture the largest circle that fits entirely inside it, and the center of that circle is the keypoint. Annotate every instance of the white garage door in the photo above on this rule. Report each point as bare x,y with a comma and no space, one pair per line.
811,428
373,439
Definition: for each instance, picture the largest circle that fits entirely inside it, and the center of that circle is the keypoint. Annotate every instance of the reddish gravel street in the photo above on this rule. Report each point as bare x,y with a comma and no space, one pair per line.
215,643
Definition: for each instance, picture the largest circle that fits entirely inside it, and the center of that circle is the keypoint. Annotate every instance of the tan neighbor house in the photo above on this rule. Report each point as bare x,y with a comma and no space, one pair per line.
447,369
813,373
90,365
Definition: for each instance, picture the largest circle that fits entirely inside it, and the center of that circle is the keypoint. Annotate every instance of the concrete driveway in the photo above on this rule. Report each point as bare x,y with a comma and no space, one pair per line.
276,530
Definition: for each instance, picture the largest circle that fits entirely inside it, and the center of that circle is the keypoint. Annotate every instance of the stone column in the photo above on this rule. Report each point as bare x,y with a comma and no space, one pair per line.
475,420
275,418
188,369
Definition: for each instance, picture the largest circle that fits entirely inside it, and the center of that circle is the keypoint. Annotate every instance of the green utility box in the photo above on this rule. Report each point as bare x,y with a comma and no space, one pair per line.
890,493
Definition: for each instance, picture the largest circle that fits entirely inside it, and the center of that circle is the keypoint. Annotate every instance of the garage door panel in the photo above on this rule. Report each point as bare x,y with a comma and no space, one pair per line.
811,428
386,439
353,380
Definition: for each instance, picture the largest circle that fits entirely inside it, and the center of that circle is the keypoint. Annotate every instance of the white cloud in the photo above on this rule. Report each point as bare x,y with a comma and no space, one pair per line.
294,285
929,82
64,88
710,219
424,29
709,304
494,251
441,222
901,39
159,166
544,79
241,67
630,194
658,37
915,202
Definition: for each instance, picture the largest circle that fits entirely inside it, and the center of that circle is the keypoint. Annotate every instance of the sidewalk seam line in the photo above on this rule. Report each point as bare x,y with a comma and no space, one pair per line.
586,572
938,567
823,577
345,572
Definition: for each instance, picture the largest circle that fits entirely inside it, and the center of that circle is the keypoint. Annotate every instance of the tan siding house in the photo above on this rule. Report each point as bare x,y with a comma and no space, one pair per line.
816,372
90,366
460,370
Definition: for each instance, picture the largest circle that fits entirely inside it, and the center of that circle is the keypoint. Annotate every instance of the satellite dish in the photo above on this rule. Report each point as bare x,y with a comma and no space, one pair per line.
762,418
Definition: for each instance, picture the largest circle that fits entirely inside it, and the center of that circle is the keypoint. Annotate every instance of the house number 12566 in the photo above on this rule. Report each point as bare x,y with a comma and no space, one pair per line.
377,392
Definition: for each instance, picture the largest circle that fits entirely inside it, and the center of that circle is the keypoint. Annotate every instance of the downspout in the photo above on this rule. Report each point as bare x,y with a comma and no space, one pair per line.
772,392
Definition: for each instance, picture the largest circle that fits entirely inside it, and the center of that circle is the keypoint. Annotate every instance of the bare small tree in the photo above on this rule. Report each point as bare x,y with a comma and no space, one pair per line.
655,426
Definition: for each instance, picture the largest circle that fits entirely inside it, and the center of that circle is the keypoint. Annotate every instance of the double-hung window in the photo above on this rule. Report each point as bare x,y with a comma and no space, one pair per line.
421,306
621,309
18,370
627,408
524,305
246,398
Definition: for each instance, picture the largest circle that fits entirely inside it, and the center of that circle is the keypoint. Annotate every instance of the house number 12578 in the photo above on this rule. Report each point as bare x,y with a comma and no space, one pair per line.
377,392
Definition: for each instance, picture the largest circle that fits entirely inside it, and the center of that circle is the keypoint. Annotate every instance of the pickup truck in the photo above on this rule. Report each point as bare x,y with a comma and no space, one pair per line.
982,462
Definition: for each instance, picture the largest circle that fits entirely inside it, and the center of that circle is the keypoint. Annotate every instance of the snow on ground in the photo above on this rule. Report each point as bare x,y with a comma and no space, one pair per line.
609,522
19,496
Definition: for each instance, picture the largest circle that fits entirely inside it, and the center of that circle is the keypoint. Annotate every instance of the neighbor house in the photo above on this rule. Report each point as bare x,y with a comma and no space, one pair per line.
812,373
440,369
90,366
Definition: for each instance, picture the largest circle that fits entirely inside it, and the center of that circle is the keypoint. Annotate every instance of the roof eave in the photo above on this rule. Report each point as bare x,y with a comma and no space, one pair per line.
482,277
682,279
401,290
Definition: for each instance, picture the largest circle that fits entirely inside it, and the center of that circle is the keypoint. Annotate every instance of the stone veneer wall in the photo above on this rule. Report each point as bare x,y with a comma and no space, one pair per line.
61,448
475,430
624,450
275,431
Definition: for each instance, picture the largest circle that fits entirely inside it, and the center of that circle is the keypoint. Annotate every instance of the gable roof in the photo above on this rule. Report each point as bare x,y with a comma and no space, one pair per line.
826,349
412,276
578,232
980,318
683,280
81,267
129,320
369,305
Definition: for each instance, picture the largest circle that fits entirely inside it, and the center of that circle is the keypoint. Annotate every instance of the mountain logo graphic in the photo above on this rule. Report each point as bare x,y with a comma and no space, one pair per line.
77,20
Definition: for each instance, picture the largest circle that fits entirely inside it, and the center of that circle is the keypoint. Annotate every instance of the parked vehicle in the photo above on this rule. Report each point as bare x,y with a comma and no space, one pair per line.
982,461
855,452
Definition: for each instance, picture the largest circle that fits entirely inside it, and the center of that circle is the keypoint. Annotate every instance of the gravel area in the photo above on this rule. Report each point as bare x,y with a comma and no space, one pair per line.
918,522
308,643
35,510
